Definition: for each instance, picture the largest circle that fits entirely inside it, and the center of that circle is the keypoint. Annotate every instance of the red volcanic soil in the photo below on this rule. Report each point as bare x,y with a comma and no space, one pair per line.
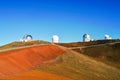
24,59
36,75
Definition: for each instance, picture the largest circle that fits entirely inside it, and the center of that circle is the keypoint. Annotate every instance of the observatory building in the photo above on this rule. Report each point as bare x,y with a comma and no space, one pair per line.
26,38
107,37
86,38
55,39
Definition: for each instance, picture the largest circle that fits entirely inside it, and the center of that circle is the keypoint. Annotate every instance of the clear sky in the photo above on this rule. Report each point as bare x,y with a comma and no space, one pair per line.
69,19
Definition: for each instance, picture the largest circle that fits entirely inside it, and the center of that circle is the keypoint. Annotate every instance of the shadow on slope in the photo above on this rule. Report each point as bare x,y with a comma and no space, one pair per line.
53,61
79,67
109,54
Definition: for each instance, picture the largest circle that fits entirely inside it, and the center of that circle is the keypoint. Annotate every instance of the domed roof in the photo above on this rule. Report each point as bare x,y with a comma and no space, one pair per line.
107,36
86,35
55,37
27,36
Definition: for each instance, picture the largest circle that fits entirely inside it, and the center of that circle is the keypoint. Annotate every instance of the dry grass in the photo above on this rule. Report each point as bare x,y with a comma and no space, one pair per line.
76,66
79,67
79,44
23,44
108,54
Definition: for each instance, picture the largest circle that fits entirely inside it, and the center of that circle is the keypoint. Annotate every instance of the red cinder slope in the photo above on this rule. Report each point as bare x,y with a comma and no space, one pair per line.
35,75
20,60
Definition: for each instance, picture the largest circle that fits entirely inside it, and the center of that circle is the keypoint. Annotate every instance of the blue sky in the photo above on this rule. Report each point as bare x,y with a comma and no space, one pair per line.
69,19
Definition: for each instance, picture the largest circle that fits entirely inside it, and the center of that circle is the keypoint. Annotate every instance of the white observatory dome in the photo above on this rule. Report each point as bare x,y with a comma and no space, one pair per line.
55,39
29,38
107,37
26,38
86,38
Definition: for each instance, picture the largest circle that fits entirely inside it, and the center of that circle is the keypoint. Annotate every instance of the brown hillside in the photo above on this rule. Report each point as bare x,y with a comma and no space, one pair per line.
79,67
20,60
81,44
107,53
52,62
23,44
